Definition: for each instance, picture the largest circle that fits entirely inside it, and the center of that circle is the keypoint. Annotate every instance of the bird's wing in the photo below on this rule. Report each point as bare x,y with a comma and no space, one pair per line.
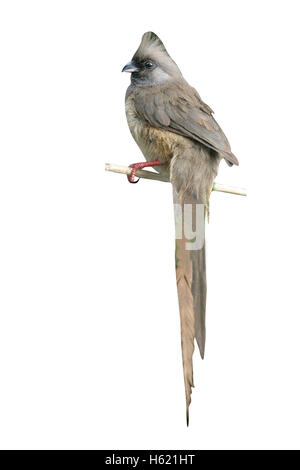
178,108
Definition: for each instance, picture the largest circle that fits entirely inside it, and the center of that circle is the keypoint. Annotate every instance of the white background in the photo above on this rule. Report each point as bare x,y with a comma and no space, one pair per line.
89,336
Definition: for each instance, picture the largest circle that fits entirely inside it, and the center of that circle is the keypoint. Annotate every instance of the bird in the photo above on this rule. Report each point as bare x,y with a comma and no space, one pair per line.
180,138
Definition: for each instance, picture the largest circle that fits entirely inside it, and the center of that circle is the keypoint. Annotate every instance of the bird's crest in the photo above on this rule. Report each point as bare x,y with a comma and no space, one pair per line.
151,39
150,44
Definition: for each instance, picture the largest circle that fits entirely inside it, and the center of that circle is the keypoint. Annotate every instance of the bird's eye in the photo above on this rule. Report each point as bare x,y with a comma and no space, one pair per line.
148,64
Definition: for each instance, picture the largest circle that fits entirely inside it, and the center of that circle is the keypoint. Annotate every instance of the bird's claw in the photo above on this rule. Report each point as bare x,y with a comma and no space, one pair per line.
131,178
136,166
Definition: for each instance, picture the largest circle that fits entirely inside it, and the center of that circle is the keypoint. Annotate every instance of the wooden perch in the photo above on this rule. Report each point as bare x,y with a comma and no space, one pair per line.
150,175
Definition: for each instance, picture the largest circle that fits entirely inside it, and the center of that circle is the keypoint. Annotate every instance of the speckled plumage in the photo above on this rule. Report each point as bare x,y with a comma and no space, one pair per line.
170,123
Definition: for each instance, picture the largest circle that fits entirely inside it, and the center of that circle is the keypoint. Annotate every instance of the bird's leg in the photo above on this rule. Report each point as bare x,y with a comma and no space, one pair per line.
136,166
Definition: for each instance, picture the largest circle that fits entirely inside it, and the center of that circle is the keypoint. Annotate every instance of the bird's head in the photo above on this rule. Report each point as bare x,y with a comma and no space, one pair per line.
151,64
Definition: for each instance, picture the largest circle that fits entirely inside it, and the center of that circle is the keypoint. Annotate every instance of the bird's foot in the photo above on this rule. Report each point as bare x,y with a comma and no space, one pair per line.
136,166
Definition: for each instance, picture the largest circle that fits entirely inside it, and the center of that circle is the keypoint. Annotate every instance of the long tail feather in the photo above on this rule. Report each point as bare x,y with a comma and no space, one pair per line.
191,173
191,287
199,296
184,276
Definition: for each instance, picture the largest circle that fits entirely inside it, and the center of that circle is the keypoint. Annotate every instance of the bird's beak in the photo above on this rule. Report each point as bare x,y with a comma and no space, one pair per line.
130,67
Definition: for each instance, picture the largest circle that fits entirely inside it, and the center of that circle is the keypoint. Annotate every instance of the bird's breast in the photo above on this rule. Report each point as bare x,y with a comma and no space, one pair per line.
156,144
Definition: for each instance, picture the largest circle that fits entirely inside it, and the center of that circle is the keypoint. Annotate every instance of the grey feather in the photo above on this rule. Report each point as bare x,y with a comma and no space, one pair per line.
171,123
184,114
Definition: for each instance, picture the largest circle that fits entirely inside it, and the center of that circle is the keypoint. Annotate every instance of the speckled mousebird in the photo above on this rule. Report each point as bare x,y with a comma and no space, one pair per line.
178,135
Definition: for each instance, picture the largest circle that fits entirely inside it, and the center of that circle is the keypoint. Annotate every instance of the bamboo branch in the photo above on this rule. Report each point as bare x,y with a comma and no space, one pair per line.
156,176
